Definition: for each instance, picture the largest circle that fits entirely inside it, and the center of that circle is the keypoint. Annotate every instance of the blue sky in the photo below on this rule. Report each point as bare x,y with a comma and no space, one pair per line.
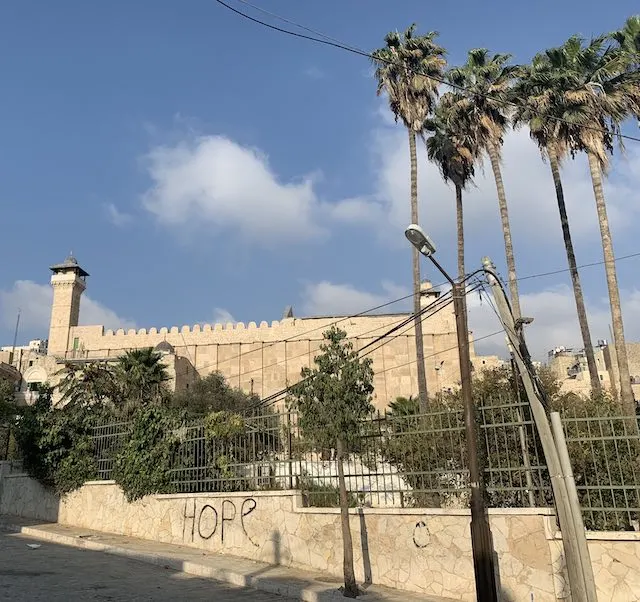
202,167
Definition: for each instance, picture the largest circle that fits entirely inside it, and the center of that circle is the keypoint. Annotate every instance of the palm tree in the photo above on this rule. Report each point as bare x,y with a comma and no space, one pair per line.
141,376
453,150
540,104
88,385
628,43
408,70
628,40
403,406
485,82
600,91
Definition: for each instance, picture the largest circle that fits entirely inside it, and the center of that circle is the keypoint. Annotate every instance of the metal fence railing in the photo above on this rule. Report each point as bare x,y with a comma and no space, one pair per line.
605,459
107,441
410,461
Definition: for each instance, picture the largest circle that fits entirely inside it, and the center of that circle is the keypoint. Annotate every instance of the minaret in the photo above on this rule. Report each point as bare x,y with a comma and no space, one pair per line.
68,281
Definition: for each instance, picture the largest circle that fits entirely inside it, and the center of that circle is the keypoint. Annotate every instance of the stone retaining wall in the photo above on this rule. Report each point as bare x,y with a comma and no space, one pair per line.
422,550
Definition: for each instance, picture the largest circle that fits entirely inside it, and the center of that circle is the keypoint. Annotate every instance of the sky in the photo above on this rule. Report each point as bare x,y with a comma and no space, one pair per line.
205,169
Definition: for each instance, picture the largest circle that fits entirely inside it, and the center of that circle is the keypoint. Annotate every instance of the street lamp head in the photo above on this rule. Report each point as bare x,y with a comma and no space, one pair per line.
417,237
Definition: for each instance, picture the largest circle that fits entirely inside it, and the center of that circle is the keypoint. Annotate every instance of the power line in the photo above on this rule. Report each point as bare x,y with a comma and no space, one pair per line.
270,399
584,265
290,22
328,41
276,397
401,323
295,337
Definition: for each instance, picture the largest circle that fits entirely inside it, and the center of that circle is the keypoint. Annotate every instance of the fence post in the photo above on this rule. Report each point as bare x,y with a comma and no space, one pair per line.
574,504
289,454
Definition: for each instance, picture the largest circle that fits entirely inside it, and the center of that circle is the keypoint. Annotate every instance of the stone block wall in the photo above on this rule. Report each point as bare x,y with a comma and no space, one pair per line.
420,550
265,358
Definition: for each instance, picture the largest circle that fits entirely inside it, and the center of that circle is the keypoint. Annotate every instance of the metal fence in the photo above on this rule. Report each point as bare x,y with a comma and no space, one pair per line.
410,461
605,458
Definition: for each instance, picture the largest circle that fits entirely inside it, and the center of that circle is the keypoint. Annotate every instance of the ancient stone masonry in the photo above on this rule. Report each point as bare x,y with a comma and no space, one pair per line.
260,358
420,550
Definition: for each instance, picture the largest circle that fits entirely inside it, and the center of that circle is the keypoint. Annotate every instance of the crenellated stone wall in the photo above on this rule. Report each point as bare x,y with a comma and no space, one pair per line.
265,358
421,550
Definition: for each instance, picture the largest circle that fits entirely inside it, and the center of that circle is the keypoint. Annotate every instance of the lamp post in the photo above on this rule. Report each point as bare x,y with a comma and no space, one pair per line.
481,541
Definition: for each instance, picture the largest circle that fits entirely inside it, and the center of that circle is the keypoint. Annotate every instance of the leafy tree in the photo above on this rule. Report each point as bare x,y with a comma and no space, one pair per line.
408,70
55,444
332,400
88,384
540,95
451,146
403,406
213,394
7,400
8,411
486,80
141,377
143,465
628,41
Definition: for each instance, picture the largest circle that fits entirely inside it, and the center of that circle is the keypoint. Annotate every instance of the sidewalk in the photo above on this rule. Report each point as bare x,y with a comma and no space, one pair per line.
294,583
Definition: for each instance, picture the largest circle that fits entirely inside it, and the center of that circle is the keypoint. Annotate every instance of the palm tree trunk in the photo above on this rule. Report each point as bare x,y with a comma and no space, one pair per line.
626,392
350,585
506,229
460,224
422,377
581,310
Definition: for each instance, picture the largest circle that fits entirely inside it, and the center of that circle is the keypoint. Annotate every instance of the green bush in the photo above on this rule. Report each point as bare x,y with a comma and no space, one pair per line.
318,495
55,444
143,465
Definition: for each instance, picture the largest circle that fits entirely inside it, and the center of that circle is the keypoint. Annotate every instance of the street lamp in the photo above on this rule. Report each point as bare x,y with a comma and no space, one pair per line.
481,541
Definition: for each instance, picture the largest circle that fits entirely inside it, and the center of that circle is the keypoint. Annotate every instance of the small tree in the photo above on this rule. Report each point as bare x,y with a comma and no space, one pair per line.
213,394
332,399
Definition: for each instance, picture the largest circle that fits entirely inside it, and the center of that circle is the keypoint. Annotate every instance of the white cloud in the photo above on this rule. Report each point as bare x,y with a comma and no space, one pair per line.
215,182
222,316
553,309
329,299
34,302
528,184
116,217
555,320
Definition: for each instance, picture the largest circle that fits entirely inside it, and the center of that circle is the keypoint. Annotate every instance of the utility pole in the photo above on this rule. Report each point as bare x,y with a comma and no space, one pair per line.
15,339
481,540
579,569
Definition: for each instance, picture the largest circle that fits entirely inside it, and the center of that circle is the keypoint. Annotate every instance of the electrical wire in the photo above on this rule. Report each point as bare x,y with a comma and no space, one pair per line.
299,336
584,265
401,323
274,397
278,396
295,337
326,40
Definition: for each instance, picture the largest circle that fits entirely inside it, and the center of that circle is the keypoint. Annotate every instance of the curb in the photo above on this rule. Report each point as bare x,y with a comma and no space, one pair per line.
298,591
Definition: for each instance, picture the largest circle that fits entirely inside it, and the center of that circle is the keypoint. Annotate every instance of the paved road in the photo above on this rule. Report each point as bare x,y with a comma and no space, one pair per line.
55,573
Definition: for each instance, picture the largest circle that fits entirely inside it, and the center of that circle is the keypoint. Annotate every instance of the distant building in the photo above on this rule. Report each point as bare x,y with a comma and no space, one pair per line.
261,359
569,366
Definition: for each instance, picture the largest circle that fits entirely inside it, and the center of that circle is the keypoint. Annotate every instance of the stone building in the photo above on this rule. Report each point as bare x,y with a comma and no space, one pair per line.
260,358
569,366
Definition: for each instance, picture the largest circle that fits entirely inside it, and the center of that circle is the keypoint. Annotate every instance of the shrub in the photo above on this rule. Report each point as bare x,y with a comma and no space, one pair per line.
143,465
56,445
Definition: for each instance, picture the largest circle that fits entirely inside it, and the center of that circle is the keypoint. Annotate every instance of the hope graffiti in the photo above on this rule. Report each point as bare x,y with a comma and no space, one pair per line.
206,521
